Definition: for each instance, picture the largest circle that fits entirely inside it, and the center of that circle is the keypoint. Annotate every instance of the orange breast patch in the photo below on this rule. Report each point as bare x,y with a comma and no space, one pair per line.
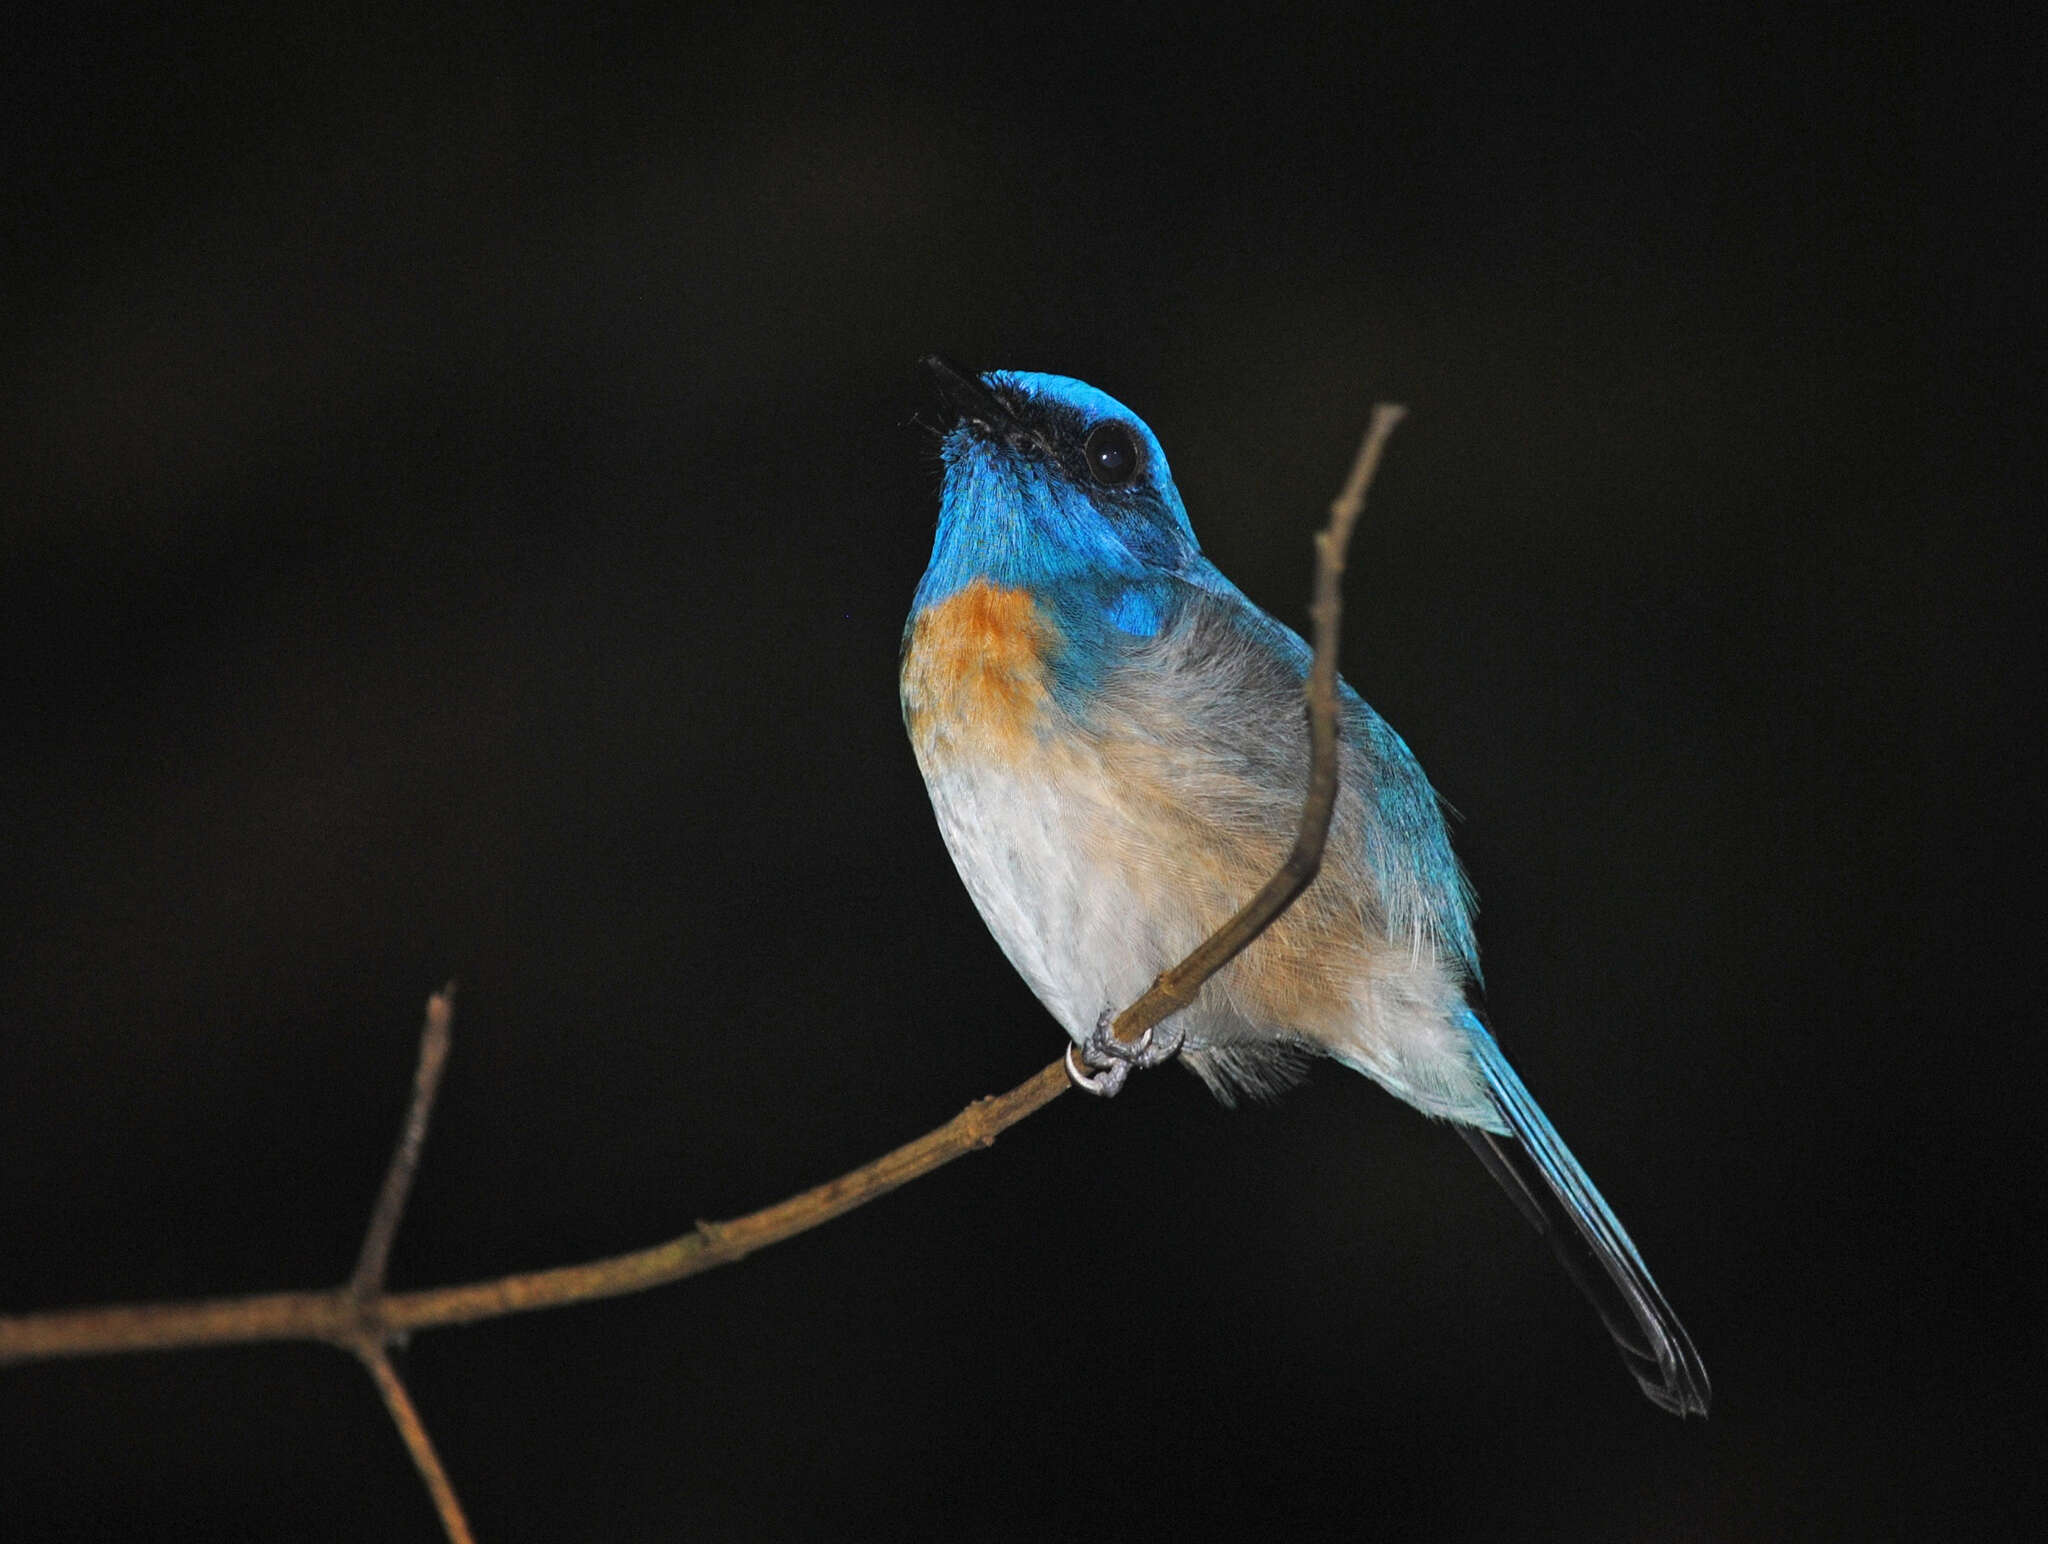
974,674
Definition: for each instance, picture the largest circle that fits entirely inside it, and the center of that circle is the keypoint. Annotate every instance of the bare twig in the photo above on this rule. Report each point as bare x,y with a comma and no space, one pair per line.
407,1419
361,1317
339,1317
368,1280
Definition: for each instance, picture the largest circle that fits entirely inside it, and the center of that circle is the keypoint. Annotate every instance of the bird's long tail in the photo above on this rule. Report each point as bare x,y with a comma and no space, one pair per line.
1544,1180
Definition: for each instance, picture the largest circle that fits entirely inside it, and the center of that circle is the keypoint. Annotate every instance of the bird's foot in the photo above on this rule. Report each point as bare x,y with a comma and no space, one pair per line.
1108,1061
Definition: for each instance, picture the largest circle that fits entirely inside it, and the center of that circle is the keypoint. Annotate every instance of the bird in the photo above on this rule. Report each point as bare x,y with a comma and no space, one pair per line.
1113,739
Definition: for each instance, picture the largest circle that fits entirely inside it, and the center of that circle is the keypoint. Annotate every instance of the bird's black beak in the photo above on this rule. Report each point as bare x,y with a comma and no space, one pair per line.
978,405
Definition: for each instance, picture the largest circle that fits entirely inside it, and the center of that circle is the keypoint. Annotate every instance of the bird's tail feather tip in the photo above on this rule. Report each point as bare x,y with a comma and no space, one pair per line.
1549,1187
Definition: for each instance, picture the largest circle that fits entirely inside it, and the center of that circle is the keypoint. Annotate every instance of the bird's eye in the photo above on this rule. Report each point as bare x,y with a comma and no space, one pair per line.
1112,454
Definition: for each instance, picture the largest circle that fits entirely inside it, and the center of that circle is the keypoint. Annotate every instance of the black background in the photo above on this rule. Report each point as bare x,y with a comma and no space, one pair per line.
463,484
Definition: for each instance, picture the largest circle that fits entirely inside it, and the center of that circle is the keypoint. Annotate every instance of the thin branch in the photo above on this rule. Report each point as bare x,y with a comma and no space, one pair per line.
361,1317
338,1317
407,1419
368,1280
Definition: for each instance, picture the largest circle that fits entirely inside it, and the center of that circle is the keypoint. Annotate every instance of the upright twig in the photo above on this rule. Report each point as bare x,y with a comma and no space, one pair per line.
1176,988
368,1280
362,1317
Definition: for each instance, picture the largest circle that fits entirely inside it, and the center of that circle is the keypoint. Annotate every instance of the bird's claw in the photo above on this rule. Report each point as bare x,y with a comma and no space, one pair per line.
1101,1084
1105,1061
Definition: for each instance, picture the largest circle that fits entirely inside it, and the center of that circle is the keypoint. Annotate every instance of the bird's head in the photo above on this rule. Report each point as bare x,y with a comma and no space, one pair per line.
1046,479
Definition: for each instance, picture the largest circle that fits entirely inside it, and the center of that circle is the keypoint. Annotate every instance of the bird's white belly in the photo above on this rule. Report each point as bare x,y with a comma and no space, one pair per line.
1082,924
1091,894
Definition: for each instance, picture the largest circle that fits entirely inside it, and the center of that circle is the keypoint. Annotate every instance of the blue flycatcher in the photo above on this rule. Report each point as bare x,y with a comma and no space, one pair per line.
1113,740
